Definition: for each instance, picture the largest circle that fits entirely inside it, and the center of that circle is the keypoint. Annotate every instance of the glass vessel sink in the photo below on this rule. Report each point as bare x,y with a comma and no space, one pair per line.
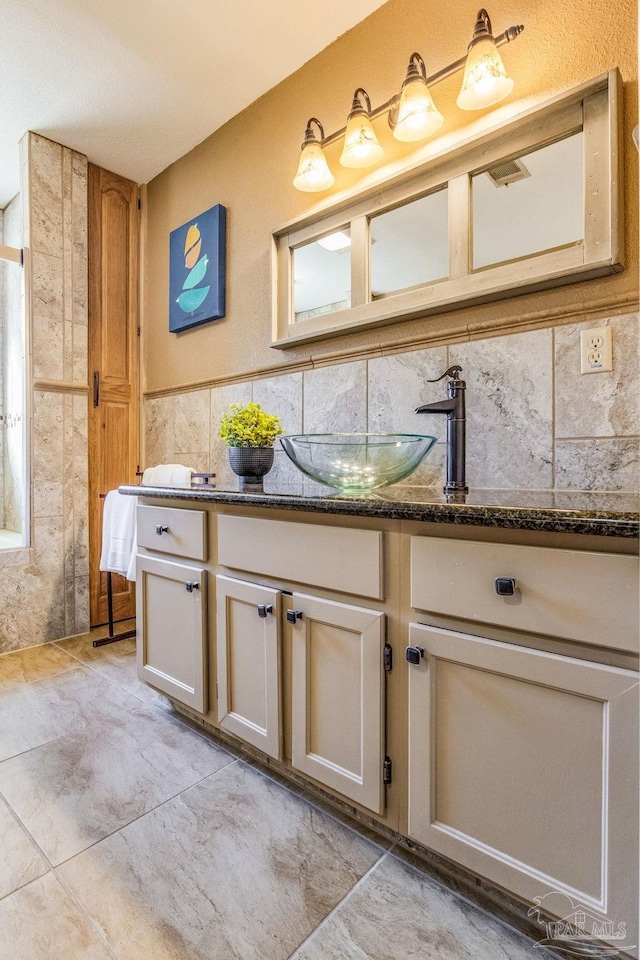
357,461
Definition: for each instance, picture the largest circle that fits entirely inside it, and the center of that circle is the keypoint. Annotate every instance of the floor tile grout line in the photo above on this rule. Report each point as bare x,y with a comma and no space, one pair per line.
171,714
24,829
140,816
456,894
93,924
50,676
365,876
36,746
317,805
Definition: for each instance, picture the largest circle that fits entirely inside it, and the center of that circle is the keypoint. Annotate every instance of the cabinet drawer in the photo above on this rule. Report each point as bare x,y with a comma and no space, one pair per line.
335,558
182,533
587,597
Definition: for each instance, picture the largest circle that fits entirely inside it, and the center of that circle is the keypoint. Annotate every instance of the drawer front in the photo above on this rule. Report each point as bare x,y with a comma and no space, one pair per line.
587,597
334,558
181,533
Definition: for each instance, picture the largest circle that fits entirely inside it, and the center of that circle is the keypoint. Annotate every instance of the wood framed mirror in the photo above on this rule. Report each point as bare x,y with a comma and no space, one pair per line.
533,203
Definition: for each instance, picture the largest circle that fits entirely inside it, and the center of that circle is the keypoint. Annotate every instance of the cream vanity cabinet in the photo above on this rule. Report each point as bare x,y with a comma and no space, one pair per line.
522,761
329,651
249,663
172,603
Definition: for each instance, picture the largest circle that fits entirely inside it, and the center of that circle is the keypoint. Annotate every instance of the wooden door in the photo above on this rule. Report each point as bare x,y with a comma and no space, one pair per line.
172,629
338,697
113,365
523,768
248,663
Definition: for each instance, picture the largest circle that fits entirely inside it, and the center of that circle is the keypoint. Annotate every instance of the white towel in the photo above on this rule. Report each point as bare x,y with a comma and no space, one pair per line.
167,475
119,535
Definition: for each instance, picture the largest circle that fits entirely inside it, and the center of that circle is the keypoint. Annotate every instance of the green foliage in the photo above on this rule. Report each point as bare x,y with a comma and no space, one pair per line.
249,426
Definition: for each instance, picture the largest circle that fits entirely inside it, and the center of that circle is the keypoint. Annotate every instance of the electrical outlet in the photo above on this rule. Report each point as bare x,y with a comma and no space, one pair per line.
596,351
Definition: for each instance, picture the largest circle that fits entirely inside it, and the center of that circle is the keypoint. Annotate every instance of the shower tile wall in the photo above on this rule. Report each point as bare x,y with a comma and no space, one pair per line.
44,590
534,422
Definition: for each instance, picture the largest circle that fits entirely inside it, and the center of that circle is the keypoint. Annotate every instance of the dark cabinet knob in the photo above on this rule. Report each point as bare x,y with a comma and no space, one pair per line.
505,586
414,654
192,585
160,529
293,615
264,609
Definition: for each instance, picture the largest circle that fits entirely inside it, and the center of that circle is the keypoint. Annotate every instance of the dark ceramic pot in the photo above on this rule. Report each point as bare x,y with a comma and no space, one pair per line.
250,463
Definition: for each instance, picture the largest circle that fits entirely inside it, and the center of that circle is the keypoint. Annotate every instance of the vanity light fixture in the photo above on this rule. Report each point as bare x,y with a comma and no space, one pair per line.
412,114
361,147
418,116
313,170
485,80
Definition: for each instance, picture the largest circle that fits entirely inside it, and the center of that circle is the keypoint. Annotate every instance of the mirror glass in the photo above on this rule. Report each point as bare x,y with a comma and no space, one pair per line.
322,275
530,204
410,245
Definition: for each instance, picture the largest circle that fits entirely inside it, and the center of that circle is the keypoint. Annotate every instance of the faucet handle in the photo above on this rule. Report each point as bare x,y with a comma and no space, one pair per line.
452,372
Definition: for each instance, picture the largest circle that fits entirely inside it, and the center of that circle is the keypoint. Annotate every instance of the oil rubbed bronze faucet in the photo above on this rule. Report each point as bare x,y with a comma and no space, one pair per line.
454,408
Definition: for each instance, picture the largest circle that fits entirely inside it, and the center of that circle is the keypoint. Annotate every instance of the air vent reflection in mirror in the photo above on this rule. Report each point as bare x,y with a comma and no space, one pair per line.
508,172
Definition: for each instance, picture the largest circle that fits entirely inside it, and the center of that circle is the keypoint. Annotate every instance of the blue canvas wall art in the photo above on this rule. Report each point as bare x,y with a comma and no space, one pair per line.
197,266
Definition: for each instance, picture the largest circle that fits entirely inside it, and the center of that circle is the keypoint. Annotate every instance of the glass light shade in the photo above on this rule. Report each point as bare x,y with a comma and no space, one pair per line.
313,170
418,116
361,147
485,80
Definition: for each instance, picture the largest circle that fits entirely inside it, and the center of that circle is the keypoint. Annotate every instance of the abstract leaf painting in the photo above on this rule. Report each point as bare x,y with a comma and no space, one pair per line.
197,265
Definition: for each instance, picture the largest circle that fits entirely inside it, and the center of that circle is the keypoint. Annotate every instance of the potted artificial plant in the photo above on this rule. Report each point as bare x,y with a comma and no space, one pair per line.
250,434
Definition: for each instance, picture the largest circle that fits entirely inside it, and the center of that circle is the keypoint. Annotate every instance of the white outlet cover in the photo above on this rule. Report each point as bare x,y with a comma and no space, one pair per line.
596,350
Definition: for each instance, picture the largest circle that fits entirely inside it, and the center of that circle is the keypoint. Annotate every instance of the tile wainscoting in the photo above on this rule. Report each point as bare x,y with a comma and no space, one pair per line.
533,420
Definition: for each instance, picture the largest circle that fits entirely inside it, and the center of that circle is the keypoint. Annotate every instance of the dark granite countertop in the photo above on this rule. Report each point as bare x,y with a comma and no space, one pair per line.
581,512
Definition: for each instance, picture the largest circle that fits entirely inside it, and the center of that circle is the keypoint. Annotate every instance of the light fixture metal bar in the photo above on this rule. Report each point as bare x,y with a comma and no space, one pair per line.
512,33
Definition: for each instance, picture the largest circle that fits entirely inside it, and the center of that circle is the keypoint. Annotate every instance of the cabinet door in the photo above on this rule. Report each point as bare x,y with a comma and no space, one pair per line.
523,768
337,697
248,663
171,617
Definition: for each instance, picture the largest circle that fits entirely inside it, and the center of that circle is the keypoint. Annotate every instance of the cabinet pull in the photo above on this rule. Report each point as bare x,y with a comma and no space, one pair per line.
414,655
192,585
293,615
264,609
96,388
505,586
160,529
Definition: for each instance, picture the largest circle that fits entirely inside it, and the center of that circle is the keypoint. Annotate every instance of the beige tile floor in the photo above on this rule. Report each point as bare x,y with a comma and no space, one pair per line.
127,835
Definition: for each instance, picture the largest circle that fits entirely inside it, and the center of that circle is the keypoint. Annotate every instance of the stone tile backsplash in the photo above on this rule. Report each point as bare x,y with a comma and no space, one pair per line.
534,422
509,409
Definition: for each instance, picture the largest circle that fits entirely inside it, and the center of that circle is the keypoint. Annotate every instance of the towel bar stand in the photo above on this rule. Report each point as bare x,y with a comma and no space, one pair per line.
112,637
205,481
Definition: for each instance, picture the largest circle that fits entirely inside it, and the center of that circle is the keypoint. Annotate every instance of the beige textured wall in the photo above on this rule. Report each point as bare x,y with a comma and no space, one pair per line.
248,166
